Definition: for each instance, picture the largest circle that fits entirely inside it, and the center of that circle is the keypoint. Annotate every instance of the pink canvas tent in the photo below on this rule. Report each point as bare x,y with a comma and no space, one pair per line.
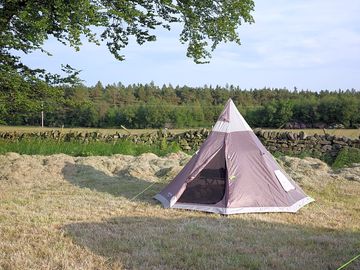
233,173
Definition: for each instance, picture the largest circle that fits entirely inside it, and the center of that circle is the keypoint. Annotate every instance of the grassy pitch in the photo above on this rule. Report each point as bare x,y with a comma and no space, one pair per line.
62,212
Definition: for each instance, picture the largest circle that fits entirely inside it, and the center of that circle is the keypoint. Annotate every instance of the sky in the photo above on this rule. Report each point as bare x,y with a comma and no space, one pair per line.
308,44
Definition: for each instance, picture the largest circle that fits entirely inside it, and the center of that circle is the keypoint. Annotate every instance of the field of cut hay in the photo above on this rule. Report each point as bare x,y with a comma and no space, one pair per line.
63,212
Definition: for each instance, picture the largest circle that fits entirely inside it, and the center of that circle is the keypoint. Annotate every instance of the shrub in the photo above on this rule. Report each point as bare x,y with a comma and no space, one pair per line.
346,157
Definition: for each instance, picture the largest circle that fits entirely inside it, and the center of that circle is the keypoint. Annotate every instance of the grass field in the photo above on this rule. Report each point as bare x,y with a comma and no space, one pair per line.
346,157
102,130
62,212
351,133
93,148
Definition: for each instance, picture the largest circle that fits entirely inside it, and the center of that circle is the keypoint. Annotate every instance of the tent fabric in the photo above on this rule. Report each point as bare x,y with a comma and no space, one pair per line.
233,173
231,120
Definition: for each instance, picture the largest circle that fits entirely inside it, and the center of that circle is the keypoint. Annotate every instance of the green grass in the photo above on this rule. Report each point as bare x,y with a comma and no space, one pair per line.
346,157
30,129
49,147
324,157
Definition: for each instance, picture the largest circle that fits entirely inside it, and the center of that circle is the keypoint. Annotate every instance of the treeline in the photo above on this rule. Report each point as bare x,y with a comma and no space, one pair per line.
151,106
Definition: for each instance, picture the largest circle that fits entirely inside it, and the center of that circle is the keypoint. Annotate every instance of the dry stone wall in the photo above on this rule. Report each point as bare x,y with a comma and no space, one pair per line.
285,142
298,142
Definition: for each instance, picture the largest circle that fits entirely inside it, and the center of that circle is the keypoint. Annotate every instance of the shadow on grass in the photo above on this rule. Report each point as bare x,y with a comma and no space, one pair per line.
215,242
120,185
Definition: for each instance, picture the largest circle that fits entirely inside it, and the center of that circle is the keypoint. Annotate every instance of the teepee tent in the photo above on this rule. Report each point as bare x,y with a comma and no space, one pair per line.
233,173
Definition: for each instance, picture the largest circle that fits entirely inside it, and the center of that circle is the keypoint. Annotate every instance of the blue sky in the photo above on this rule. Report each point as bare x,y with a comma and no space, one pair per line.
312,45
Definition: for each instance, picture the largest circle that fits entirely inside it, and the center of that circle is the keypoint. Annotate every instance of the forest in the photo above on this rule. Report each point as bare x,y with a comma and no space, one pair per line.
152,106
25,92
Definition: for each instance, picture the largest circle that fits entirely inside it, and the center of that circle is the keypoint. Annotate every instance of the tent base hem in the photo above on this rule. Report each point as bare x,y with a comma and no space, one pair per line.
163,200
228,211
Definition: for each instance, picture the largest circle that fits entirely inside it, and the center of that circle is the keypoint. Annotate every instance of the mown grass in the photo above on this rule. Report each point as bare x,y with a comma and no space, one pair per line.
303,154
50,147
345,158
67,216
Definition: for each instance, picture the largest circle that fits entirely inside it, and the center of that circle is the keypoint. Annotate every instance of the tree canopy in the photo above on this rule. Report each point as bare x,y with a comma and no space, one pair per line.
26,24
151,106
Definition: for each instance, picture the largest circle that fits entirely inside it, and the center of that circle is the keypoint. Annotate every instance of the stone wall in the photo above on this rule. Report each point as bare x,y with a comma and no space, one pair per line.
285,142
298,142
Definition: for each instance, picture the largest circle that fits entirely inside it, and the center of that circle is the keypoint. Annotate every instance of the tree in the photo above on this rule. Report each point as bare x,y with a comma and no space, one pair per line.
112,95
21,102
26,24
305,110
168,95
330,108
96,93
277,113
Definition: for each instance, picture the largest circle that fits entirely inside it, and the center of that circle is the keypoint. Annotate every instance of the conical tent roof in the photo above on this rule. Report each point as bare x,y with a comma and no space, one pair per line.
233,173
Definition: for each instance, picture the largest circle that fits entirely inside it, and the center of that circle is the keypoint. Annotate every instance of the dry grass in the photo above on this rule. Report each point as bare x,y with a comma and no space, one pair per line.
62,212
